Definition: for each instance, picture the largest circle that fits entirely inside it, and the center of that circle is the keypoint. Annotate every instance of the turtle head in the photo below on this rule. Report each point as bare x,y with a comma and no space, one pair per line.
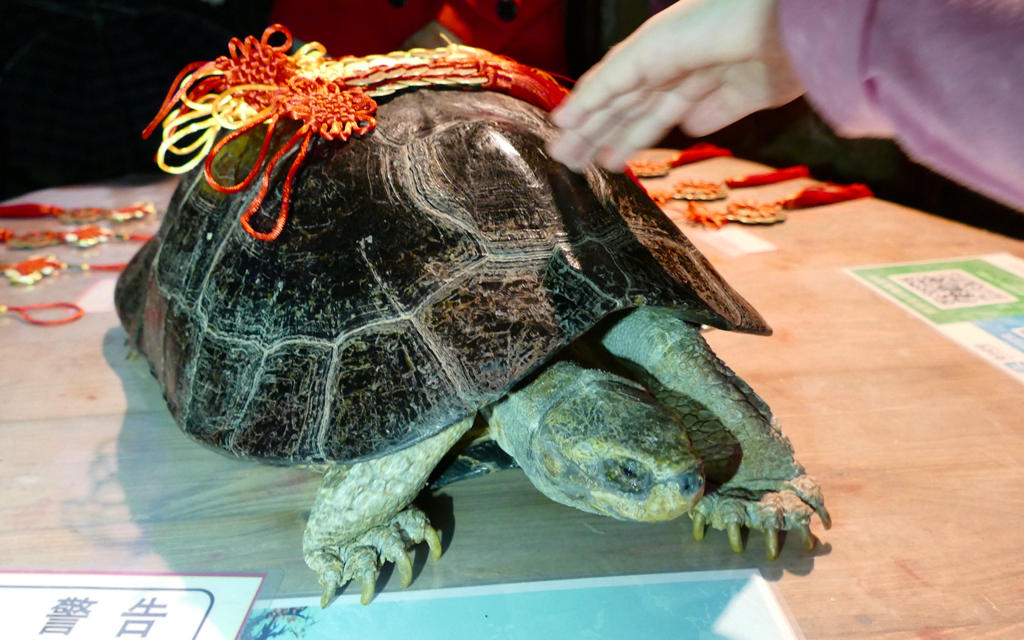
606,446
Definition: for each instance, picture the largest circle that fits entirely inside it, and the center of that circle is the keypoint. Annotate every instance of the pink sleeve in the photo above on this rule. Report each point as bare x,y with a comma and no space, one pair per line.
945,78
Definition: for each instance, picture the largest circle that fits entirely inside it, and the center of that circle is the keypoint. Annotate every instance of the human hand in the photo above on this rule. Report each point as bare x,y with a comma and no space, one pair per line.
700,64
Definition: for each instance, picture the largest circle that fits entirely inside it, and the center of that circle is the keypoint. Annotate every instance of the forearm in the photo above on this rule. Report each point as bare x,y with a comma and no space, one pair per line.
945,79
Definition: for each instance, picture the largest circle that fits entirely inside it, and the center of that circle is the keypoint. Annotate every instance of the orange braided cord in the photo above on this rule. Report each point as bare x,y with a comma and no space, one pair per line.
333,98
76,312
699,213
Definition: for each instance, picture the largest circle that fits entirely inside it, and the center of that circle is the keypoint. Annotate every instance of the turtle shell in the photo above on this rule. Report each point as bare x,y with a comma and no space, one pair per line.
424,270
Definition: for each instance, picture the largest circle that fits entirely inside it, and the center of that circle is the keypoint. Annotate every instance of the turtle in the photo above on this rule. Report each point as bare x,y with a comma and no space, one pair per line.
442,271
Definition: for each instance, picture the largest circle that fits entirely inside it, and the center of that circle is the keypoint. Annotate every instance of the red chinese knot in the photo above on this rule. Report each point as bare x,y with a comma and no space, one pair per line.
259,84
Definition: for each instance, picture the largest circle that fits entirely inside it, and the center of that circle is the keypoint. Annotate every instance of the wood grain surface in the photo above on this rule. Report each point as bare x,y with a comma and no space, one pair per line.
917,443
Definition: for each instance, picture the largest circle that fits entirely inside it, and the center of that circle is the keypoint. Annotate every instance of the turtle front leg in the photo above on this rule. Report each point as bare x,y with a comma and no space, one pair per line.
363,516
760,483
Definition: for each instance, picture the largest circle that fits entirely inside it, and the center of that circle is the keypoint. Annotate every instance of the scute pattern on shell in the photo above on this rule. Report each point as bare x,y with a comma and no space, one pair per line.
424,270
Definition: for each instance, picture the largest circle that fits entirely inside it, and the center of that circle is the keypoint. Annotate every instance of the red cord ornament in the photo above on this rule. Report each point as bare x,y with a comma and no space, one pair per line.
258,83
79,215
828,193
76,312
83,237
36,268
779,175
742,211
658,169
771,212
698,152
30,271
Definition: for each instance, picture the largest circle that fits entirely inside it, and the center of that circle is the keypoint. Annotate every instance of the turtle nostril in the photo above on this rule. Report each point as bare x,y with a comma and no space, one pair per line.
689,483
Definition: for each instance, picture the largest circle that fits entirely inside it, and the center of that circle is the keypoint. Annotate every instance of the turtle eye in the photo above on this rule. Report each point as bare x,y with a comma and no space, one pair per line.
627,475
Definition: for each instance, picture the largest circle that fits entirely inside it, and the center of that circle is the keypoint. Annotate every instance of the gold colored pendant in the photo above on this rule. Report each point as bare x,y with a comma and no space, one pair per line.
660,196
648,168
35,240
84,215
33,270
746,212
699,190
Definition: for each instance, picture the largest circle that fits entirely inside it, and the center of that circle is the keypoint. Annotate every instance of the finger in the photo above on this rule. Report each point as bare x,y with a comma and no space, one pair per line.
571,149
643,132
671,110
614,76
612,147
578,146
744,89
618,113
654,57
711,114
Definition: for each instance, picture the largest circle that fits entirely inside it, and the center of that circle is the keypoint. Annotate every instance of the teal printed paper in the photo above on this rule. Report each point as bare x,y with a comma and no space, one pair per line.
977,302
726,605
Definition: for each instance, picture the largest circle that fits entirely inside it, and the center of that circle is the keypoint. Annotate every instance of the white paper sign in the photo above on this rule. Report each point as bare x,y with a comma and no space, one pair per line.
98,606
732,240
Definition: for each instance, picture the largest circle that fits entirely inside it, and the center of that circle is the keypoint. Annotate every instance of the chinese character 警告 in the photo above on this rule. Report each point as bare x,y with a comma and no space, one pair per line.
65,614
141,618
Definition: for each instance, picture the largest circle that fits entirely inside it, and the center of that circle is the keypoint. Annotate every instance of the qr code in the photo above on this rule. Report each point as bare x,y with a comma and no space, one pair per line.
952,289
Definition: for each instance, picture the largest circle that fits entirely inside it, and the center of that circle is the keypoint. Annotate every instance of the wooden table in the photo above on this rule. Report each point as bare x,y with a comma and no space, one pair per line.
918,444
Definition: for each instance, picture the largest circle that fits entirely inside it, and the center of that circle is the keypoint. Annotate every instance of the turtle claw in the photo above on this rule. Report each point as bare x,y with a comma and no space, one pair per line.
329,590
699,524
360,558
826,519
771,543
735,536
369,586
404,565
433,541
330,571
806,537
786,505
331,585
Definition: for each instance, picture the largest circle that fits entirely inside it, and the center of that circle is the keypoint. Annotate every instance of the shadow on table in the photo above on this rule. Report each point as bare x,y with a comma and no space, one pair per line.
202,510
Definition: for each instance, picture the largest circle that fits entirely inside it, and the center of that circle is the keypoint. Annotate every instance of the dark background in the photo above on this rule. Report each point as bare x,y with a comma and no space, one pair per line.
79,80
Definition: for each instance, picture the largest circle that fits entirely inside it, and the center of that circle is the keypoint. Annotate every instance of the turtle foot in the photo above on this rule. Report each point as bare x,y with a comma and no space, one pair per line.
362,557
788,506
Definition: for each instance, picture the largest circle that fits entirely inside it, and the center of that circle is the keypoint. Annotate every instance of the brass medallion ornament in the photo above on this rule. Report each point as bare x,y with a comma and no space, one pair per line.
746,212
699,190
648,168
